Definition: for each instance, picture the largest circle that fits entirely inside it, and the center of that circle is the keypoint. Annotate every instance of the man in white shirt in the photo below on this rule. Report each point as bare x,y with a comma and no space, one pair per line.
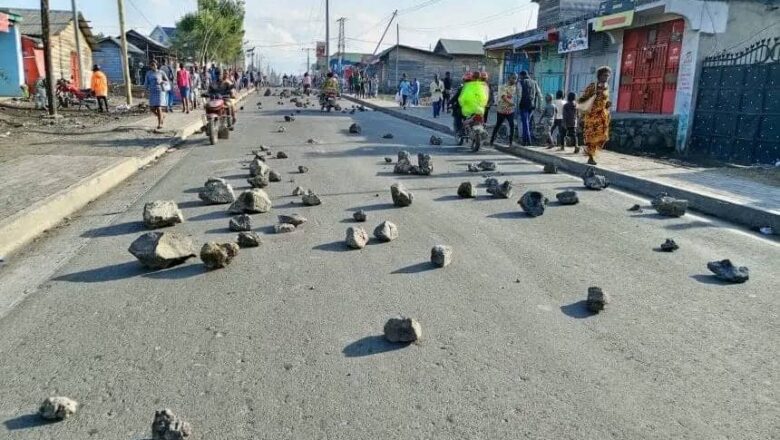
558,122
437,95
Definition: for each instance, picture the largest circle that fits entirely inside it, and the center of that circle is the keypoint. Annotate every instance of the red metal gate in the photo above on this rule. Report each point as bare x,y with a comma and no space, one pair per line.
648,72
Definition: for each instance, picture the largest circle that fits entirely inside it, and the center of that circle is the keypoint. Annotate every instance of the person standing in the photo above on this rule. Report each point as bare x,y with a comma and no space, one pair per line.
447,95
375,85
169,72
183,82
570,122
195,87
99,86
558,122
595,104
155,87
405,90
546,119
505,109
437,95
526,91
416,92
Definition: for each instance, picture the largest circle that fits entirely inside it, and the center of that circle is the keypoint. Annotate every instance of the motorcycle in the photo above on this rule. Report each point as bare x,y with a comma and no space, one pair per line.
474,131
69,95
219,121
328,101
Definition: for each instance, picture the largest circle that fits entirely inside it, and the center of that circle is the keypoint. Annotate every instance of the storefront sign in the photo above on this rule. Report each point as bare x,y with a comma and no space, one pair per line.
320,49
4,22
573,37
614,21
609,7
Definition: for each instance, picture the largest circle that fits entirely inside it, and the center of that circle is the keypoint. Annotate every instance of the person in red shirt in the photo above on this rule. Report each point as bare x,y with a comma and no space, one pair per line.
183,81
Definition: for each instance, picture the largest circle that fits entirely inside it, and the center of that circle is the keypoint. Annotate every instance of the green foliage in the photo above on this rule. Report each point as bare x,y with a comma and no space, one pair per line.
214,33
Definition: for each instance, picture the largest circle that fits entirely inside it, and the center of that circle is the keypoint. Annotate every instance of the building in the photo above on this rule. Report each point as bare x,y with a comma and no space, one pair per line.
348,59
109,57
163,35
152,49
65,60
11,61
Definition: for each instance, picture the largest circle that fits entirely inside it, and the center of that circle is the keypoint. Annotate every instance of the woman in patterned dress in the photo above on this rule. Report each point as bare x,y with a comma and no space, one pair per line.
596,119
154,83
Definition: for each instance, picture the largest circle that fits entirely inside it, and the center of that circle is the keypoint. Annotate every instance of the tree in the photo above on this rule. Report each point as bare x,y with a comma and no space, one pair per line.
214,33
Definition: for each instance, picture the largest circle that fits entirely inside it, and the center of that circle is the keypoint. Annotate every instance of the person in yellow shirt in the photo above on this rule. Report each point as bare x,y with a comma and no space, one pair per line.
99,87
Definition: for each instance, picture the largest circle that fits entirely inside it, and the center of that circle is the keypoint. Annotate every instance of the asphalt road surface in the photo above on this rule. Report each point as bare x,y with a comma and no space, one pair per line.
286,342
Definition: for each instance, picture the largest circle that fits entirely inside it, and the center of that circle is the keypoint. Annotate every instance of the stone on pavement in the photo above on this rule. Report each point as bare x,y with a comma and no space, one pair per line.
594,181
218,255
424,164
487,165
727,271
441,255
635,208
567,198
274,176
387,136
386,231
669,245
669,206
161,250
467,191
357,237
288,118
168,426
249,240
283,228
259,181
435,140
293,219
240,223
355,128
360,216
258,168
388,160
281,155
311,199
252,201
401,196
58,408
502,191
162,213
596,300
402,329
217,191
299,191
302,169
473,168
533,203
281,129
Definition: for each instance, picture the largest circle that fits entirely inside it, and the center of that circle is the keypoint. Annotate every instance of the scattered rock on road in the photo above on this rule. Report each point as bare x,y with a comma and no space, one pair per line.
473,168
668,206
288,118
167,426
551,168
567,198
299,191
596,300
311,199
58,408
281,155
533,203
313,141
669,245
240,223
251,202
435,140
259,181
726,271
217,191
357,237
355,128
162,213
503,191
360,216
293,219
283,228
441,256
258,168
594,181
161,250
388,160
402,329
386,231
467,191
635,208
302,169
218,255
249,240
387,136
274,176
424,164
404,164
281,129
487,165
401,196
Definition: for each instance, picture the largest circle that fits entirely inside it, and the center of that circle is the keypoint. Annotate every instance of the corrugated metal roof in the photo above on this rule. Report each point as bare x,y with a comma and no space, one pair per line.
130,47
58,21
460,47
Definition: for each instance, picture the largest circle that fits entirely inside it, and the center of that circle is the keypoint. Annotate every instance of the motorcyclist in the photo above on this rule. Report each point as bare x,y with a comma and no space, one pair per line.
330,87
227,90
474,96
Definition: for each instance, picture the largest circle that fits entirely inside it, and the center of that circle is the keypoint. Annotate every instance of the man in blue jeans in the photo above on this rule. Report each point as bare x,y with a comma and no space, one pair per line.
526,91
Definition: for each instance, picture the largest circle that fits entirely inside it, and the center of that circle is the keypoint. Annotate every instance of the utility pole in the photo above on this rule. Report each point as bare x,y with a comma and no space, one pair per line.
125,61
327,35
77,31
397,49
342,44
395,13
46,36
308,59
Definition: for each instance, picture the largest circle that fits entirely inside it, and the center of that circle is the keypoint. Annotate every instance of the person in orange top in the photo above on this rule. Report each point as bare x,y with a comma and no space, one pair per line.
99,87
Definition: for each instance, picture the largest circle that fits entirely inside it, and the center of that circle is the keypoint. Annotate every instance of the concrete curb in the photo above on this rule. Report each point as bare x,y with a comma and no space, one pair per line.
718,207
26,225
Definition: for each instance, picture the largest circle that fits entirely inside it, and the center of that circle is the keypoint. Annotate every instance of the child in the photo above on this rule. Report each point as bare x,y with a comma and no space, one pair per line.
546,120
570,122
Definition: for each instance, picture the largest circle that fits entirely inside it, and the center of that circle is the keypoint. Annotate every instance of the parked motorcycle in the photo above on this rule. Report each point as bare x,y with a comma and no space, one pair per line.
219,121
473,131
69,95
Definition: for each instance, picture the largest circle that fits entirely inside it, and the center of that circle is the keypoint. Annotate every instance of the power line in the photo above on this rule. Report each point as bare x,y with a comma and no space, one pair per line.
142,14
422,5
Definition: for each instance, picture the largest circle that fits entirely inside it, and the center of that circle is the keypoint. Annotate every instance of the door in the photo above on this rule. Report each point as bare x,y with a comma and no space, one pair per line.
548,71
75,71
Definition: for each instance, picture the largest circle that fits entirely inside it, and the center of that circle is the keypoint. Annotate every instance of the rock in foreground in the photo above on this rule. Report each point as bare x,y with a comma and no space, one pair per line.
435,140
487,165
162,213
467,191
259,181
355,128
669,206
284,228
401,196
360,216
217,191
218,255
402,329
669,245
441,256
597,299
533,203
386,231
357,237
168,426
567,198
726,271
311,199
594,181
161,250
293,219
58,408
251,202
249,240
240,223
502,191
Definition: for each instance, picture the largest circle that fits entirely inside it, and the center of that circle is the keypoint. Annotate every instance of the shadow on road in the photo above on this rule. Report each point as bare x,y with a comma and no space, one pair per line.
416,268
372,345
710,279
334,246
177,273
577,310
106,273
510,215
214,215
26,421
450,198
374,207
114,230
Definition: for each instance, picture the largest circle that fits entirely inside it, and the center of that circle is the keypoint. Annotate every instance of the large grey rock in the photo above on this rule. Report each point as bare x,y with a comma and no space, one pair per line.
502,191
267,92
162,213
249,240
299,191
435,140
357,237
491,182
727,271
387,136
424,164
258,181
311,199
284,228
567,198
669,245
217,191
467,191
281,155
302,169
596,300
58,408
401,196
669,206
168,426
441,255
386,231
404,163
473,168
160,250
360,216
252,201
274,176
594,181
293,219
487,165
355,128
258,168
402,329
240,223
388,160
218,255
533,203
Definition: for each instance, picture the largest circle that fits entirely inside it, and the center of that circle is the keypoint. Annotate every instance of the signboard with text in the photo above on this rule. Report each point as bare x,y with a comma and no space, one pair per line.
613,21
573,37
320,49
608,7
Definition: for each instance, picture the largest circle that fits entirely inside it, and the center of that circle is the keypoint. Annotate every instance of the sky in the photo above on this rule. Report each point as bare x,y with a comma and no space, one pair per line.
281,33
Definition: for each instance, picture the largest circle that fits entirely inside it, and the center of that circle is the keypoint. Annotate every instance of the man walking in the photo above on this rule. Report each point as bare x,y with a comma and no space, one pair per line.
527,97
99,86
505,109
447,95
405,90
437,95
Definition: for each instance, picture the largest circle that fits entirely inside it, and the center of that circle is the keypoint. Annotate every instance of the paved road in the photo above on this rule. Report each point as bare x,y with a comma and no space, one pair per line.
285,343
